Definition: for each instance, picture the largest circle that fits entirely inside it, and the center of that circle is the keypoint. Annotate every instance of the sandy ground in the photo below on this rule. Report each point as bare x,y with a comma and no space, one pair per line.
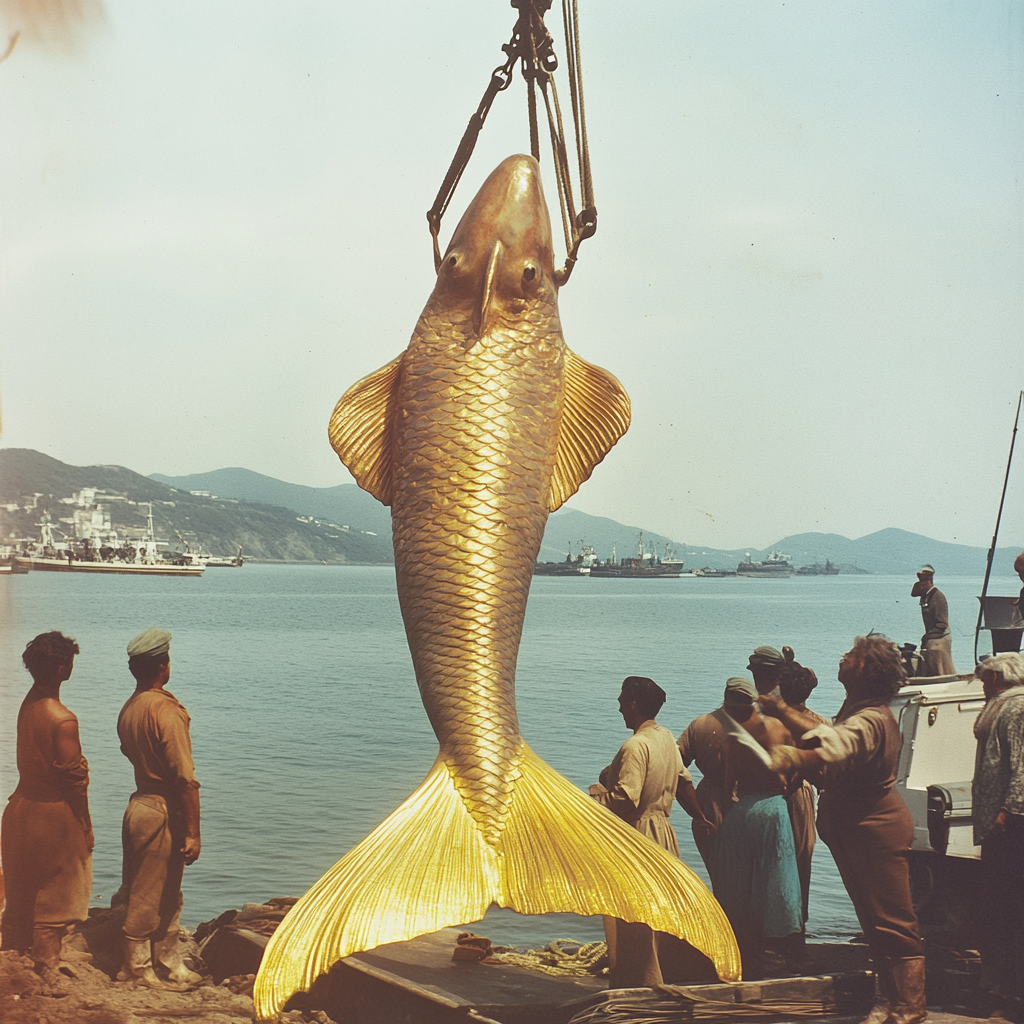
89,965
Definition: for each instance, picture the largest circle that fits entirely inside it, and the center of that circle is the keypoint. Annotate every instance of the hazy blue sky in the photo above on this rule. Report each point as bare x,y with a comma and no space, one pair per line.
809,271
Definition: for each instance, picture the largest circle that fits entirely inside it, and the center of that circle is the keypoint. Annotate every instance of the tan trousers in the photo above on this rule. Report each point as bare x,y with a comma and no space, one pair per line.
47,868
632,954
869,835
801,817
938,657
152,867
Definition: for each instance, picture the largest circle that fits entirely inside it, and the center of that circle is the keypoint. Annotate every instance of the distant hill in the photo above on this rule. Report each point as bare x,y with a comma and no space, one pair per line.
261,513
887,551
351,505
893,551
345,504
32,481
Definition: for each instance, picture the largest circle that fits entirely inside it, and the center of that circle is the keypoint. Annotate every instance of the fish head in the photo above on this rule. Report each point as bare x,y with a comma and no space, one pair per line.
500,261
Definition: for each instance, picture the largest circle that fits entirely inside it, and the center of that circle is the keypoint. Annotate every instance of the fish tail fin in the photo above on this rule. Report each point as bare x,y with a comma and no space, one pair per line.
564,853
425,867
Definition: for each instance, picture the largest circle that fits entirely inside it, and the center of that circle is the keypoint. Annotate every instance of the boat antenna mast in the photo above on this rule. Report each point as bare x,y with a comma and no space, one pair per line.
531,45
999,516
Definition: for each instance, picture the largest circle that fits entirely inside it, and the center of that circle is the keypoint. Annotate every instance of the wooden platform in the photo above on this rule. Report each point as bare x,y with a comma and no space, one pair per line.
417,982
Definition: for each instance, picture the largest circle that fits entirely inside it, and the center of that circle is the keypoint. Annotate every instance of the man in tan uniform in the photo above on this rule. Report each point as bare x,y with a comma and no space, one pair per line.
160,832
47,832
640,786
936,644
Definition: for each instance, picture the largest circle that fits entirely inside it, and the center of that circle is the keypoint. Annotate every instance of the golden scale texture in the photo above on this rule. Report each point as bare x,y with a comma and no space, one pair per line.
484,425
468,520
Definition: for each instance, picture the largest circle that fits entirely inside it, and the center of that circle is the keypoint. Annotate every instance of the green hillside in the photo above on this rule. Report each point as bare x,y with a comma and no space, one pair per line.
35,482
278,521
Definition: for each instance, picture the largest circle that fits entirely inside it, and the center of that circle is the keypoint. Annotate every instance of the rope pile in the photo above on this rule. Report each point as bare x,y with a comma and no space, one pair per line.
563,958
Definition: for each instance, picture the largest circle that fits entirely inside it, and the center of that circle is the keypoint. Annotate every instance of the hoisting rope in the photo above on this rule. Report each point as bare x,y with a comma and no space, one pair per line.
532,45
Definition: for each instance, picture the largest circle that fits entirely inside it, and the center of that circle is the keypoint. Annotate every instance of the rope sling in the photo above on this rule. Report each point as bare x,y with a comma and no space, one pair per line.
532,46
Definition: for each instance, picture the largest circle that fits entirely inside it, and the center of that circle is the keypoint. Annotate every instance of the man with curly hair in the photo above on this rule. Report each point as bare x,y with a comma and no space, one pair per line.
862,818
47,832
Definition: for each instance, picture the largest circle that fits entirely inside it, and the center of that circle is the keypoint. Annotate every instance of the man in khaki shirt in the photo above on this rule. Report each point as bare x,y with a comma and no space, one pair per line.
640,787
160,832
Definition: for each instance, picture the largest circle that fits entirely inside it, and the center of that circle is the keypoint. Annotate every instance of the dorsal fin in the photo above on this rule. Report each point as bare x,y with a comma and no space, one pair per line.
360,430
595,415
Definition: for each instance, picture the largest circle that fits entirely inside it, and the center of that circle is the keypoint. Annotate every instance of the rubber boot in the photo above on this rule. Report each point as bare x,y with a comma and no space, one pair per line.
167,952
138,967
908,978
885,998
46,956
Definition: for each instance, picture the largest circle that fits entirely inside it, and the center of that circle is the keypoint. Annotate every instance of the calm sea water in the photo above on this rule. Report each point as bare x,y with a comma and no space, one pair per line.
307,725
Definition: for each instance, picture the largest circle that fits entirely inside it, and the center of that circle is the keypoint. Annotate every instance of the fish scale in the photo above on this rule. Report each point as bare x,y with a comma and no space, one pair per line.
486,478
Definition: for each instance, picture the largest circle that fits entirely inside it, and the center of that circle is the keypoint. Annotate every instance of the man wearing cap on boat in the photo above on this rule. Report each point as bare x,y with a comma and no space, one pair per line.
937,643
160,833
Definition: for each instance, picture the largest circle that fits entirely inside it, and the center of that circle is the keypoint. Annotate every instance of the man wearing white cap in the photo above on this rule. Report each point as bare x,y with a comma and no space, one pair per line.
936,644
160,833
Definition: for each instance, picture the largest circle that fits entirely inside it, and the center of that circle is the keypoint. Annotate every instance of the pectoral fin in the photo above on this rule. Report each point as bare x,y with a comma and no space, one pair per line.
360,430
594,416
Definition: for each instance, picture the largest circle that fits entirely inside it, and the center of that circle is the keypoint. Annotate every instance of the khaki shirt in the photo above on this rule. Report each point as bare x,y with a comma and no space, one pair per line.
640,784
154,732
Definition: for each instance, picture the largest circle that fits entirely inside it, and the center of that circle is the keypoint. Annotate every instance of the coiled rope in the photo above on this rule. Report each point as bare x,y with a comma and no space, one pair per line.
563,957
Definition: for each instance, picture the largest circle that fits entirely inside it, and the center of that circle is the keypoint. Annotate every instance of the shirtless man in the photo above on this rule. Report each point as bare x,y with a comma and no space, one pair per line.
47,832
756,879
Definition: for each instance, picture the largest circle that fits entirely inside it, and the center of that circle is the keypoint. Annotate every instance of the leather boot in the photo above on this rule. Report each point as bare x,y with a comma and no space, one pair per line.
46,956
908,978
167,952
138,967
885,998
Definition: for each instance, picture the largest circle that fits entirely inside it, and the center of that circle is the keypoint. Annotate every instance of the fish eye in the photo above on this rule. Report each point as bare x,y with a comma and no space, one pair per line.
452,260
529,273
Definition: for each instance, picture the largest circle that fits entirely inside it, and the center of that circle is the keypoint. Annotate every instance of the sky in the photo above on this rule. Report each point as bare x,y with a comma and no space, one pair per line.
808,271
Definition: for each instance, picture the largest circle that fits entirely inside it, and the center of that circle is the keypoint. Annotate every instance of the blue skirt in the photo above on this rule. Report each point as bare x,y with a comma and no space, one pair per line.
756,878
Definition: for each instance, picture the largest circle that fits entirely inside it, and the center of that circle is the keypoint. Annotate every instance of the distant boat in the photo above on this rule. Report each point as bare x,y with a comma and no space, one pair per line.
46,555
221,562
580,565
828,569
775,566
643,565
708,573
9,565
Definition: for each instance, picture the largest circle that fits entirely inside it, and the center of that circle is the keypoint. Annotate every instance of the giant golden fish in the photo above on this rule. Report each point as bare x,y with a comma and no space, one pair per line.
485,424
